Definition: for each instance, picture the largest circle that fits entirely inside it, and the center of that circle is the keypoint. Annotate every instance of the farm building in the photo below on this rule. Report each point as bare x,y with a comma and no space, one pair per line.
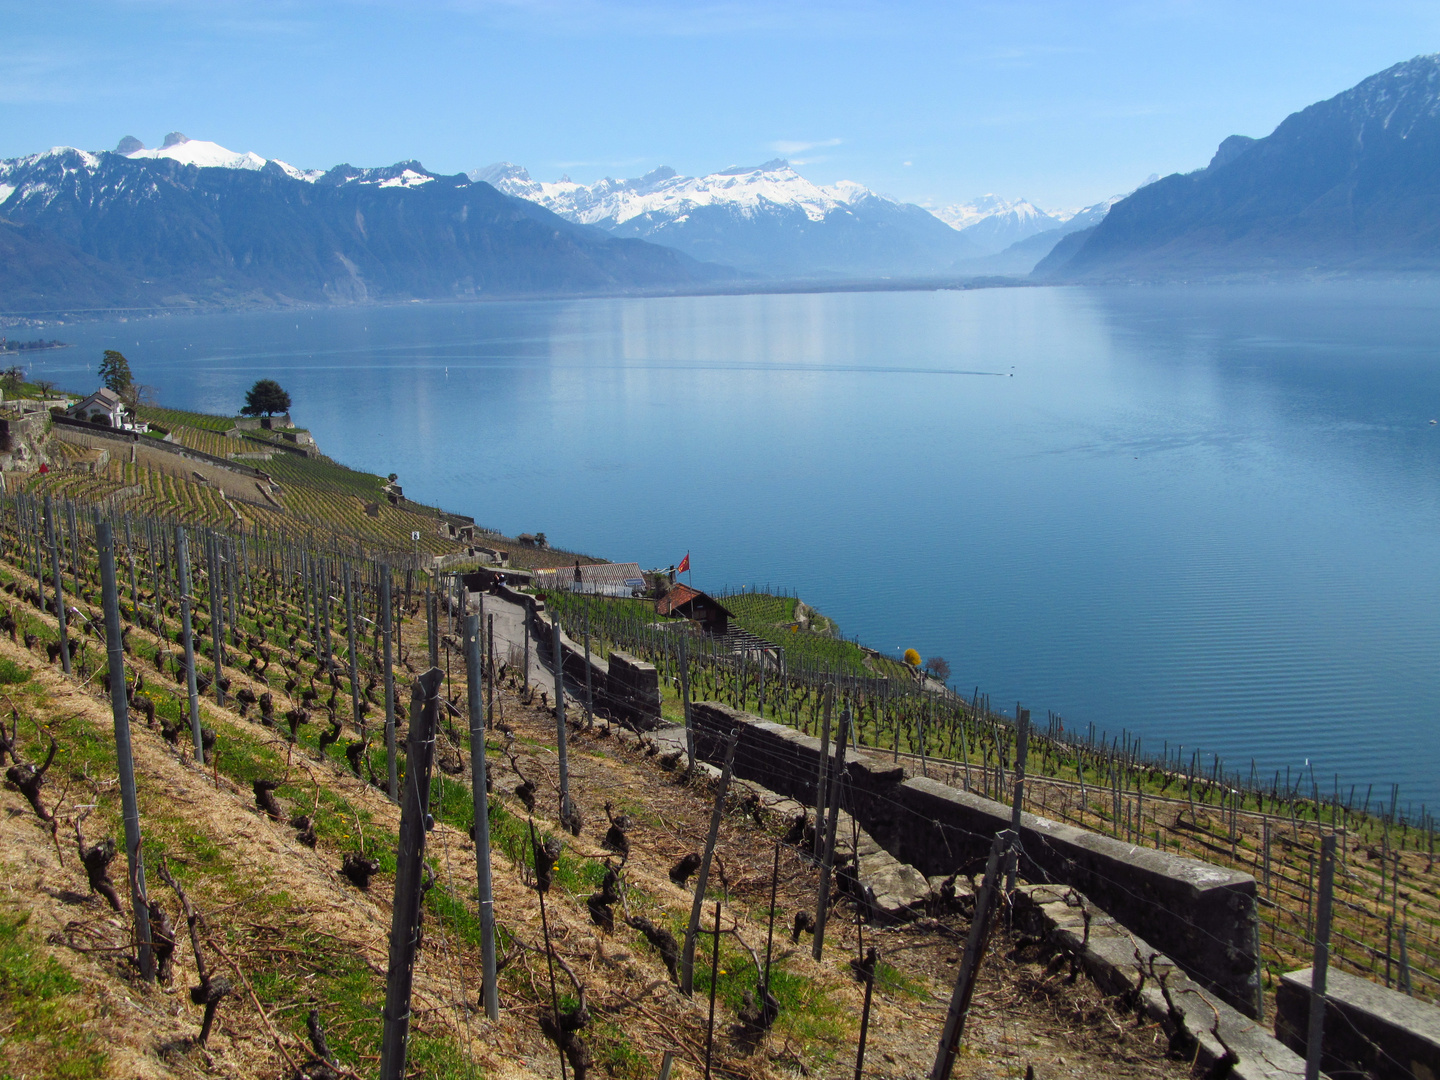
105,409
599,579
696,606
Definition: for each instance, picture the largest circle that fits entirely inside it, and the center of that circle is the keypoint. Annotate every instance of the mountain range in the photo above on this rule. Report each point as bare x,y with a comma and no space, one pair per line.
770,221
194,224
766,220
1350,185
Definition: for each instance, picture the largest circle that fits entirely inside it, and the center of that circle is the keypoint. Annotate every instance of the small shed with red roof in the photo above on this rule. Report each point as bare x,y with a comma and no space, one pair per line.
696,606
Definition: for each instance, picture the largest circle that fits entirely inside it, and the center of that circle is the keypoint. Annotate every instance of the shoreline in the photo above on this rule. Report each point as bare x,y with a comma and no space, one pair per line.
940,283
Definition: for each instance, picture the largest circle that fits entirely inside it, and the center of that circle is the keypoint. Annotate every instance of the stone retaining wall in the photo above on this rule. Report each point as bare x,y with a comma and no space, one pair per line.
624,686
634,690
1202,916
1369,1030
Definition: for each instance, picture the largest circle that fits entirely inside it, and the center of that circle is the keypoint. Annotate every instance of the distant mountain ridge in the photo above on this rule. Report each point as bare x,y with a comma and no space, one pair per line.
1348,185
993,223
766,220
195,224
1021,256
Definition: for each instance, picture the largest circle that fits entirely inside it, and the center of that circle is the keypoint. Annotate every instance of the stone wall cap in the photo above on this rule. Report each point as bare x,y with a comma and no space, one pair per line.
1417,1017
1200,876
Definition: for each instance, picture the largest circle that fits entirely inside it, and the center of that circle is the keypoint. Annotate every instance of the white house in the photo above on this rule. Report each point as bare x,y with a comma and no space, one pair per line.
104,408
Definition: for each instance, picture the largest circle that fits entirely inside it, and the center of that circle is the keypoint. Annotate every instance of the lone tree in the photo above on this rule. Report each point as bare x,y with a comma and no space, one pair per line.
115,371
938,667
266,398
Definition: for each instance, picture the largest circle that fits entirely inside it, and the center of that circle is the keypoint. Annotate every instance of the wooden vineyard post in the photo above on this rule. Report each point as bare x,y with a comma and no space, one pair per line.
525,671
867,973
130,556
1265,847
182,568
822,770
589,687
59,590
474,673
392,768
561,735
33,549
490,670
702,879
432,627
827,859
970,963
307,599
323,586
714,982
37,533
350,642
217,617
1315,1038
1402,980
119,704
770,930
685,702
1022,749
232,570
409,869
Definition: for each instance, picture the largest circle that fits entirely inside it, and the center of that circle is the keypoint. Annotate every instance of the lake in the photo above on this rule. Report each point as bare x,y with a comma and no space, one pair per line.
1210,516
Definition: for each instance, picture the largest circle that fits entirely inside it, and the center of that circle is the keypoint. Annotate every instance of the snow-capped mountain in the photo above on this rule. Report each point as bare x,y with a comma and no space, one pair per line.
767,219
193,223
993,223
207,155
611,203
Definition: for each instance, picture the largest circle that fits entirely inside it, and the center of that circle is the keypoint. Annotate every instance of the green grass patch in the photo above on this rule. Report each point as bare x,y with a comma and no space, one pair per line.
809,1010
12,673
892,981
38,1008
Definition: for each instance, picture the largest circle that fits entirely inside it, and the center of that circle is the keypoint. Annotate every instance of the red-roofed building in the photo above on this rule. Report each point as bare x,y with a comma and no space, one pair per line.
696,606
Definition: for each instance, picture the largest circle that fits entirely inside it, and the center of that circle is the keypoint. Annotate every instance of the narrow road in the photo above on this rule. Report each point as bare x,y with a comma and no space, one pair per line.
510,637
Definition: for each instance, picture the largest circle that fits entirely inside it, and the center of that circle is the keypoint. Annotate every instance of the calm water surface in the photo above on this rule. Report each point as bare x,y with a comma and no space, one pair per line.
1209,516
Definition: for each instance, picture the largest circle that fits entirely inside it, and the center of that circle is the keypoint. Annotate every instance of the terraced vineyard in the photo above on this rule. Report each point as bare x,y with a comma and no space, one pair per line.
281,605
265,812
774,618
1388,885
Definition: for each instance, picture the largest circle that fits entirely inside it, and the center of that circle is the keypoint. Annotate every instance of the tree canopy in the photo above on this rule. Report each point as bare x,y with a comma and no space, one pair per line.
266,398
115,371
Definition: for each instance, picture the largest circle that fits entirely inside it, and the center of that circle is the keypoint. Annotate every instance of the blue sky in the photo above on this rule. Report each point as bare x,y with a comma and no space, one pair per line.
1060,102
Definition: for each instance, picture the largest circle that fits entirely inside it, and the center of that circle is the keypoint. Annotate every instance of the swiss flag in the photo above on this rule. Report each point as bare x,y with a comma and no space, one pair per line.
684,564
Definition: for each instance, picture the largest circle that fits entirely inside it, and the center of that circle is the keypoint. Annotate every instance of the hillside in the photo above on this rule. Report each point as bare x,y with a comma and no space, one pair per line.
256,836
1348,185
310,495
293,783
